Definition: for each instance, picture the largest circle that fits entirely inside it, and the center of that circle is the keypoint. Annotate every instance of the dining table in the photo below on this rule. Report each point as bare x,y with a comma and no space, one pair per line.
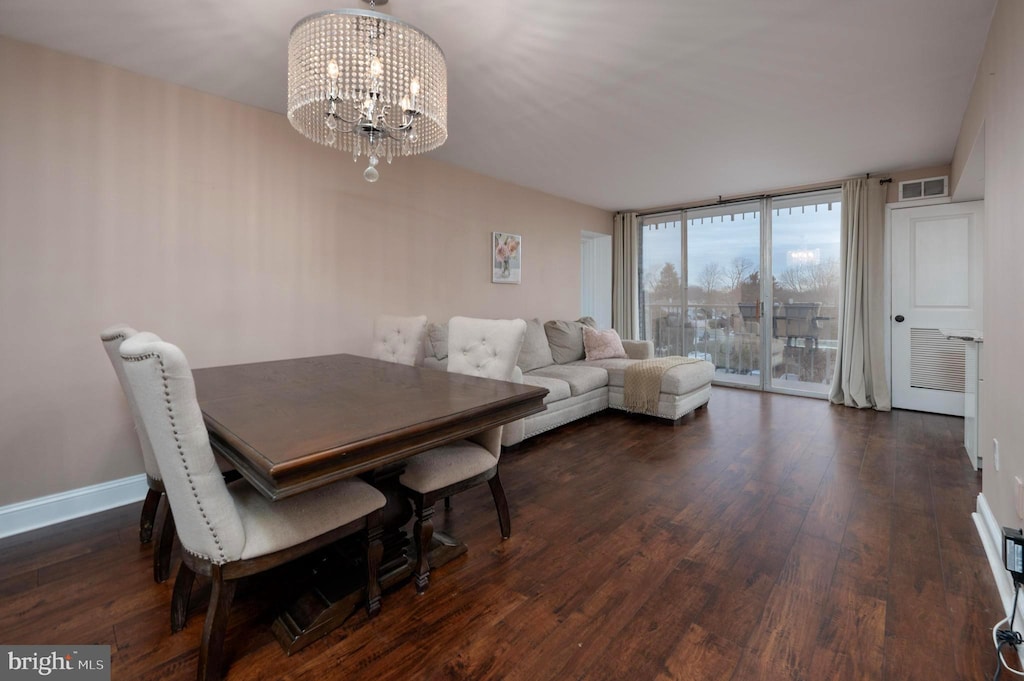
289,426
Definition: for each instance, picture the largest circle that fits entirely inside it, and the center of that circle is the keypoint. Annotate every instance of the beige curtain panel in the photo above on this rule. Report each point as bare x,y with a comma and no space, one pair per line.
625,277
860,379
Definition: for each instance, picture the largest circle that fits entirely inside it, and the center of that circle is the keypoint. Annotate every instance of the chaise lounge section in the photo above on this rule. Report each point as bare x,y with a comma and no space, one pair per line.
554,357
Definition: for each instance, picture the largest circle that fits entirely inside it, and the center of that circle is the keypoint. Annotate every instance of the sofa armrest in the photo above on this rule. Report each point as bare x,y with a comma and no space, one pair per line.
637,349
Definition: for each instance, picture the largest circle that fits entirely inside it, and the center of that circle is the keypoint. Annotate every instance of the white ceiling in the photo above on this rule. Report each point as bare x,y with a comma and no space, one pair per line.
614,104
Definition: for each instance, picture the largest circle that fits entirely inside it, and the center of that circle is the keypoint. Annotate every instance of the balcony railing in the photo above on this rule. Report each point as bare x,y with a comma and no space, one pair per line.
803,338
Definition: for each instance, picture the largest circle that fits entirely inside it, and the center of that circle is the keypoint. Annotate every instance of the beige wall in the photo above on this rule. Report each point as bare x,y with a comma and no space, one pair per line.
998,104
127,199
974,117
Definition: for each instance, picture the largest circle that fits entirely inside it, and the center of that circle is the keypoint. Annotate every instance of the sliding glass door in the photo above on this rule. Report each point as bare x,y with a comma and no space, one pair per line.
805,295
724,293
704,293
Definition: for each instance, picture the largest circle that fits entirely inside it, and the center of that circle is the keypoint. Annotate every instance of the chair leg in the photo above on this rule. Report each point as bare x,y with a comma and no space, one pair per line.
180,597
164,543
149,507
447,503
374,554
501,503
424,531
211,652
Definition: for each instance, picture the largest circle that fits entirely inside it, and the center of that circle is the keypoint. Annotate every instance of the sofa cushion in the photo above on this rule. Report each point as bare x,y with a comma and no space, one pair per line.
679,380
437,337
536,352
602,344
566,338
581,379
557,388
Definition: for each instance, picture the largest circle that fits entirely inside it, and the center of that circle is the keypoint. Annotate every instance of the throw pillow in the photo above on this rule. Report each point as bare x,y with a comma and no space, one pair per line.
602,344
536,352
566,339
437,336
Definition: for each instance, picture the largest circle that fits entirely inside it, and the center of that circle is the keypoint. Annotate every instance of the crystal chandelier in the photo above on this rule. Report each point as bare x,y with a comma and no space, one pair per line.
368,83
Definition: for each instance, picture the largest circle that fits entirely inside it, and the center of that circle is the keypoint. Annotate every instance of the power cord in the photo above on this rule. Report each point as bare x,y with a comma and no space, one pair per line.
1007,637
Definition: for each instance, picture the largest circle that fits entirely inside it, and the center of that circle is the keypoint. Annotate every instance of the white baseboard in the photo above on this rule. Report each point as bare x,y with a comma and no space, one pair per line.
55,508
992,539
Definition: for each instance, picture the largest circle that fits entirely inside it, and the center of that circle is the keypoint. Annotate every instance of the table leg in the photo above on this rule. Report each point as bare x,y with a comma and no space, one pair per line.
336,587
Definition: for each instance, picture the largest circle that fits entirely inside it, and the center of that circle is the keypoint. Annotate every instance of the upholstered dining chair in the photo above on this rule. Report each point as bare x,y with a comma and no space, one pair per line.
230,531
478,347
112,338
399,339
156,514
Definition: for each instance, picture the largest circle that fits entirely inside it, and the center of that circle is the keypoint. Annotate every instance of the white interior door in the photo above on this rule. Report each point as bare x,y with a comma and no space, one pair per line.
936,284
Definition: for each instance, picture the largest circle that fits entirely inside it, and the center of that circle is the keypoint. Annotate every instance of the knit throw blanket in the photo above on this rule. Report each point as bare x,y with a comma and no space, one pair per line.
641,387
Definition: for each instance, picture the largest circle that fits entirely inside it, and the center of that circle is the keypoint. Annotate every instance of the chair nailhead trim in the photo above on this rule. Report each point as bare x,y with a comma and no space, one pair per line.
181,453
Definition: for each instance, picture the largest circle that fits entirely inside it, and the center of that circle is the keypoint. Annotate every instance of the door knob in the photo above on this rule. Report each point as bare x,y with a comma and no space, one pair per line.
899,318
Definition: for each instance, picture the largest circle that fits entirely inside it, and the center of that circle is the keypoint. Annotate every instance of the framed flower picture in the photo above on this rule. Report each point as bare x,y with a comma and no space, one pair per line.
506,258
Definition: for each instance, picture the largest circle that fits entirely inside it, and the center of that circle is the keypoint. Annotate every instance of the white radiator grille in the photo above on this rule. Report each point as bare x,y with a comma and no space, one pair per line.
936,363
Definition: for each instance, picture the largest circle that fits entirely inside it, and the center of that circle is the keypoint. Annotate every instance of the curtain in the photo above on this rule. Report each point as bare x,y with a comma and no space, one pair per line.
625,277
860,379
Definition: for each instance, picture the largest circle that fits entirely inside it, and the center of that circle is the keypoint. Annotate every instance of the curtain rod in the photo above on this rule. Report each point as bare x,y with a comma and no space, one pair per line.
751,197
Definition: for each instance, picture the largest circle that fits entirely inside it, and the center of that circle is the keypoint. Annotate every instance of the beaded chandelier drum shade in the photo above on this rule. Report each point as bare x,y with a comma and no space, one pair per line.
367,83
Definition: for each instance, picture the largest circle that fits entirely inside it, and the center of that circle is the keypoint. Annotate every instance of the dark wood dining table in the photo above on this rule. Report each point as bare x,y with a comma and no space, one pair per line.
292,425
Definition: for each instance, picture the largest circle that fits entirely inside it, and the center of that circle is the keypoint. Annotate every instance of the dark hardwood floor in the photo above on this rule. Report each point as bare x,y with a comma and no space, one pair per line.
766,537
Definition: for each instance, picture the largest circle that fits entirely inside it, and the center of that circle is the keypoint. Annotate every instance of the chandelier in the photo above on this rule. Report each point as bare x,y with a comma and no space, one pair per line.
367,83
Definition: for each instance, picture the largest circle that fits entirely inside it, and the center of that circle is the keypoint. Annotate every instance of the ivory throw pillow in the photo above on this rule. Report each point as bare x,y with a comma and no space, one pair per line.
602,344
536,352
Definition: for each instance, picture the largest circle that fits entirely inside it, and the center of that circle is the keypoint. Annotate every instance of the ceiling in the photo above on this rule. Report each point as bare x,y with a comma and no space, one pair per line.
613,104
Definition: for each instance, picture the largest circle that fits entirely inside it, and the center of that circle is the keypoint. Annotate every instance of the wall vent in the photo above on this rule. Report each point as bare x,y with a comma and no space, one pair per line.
936,362
929,188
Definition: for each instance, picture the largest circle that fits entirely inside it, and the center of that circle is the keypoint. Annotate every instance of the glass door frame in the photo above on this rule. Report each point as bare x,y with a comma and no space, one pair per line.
768,294
766,301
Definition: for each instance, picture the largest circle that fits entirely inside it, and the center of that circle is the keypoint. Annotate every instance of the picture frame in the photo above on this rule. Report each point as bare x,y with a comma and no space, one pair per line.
506,258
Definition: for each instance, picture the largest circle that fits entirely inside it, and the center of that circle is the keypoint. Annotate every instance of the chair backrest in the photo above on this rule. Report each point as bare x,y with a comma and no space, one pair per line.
488,348
399,339
112,338
800,318
485,347
207,521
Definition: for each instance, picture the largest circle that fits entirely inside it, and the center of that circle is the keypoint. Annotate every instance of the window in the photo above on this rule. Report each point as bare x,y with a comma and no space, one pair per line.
703,293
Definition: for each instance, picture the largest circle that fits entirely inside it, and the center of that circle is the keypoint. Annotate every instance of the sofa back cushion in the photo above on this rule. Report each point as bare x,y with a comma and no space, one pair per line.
437,340
536,352
602,344
566,339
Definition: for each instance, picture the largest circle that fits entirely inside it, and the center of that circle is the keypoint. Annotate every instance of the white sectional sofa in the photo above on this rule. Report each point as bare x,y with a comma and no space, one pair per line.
553,357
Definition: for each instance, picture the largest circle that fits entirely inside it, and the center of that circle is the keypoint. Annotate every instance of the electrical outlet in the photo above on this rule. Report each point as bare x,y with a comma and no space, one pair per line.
1018,496
995,453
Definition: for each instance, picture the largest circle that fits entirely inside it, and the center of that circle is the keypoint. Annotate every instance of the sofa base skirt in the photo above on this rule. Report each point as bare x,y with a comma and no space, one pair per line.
557,414
670,407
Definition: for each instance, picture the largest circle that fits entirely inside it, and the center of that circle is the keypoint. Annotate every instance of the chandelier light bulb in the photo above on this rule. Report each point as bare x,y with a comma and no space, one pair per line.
332,69
405,103
376,68
414,86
